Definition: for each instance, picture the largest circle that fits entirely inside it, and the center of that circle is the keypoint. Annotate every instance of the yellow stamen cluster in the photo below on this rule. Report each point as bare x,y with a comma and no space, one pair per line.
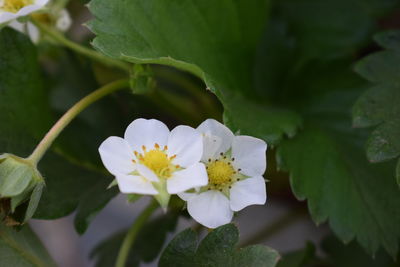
157,160
222,174
14,6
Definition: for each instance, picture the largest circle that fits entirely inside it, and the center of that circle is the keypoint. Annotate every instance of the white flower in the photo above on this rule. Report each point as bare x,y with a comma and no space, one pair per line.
62,21
13,9
152,160
235,165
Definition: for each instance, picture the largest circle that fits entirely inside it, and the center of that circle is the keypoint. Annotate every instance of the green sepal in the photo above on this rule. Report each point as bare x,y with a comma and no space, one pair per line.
21,187
112,184
163,196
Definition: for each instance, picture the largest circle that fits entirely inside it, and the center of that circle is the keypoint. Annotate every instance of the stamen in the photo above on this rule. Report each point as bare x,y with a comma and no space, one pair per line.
165,147
144,148
233,159
172,157
156,146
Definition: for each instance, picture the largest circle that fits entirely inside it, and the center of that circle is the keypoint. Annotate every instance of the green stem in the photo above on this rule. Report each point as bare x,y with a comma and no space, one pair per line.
200,94
272,229
51,135
132,233
90,53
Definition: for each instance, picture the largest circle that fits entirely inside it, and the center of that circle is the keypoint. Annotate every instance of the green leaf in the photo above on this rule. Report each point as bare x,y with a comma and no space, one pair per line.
181,250
25,113
379,105
69,186
214,41
22,249
218,248
26,116
146,247
327,164
352,254
321,34
91,203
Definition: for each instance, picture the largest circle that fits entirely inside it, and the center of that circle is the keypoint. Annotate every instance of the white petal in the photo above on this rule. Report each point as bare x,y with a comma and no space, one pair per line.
142,132
210,208
26,28
250,191
33,33
6,16
186,196
16,25
135,184
187,144
31,8
146,172
217,138
117,155
193,176
41,2
249,154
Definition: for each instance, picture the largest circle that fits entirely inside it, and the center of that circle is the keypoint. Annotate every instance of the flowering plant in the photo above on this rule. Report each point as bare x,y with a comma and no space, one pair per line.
138,119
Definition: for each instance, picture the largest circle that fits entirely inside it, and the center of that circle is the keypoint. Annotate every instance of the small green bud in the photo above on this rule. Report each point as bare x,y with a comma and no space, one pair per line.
21,187
142,79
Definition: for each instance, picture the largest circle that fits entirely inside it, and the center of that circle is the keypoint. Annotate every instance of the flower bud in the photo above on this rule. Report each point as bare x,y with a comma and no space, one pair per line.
21,187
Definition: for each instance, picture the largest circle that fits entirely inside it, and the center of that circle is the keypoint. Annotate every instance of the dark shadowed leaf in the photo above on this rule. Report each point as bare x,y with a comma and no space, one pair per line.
379,105
339,254
146,247
302,258
22,249
328,167
25,114
217,249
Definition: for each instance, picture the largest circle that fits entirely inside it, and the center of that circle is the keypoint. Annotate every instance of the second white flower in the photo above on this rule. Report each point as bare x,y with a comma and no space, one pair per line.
152,160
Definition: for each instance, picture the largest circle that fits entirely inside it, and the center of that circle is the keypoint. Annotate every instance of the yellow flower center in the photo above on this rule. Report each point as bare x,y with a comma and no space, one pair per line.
220,172
14,6
157,160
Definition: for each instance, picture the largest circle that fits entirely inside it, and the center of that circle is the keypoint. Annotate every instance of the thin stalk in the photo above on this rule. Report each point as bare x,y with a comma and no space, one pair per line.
52,134
277,226
90,53
132,234
200,94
